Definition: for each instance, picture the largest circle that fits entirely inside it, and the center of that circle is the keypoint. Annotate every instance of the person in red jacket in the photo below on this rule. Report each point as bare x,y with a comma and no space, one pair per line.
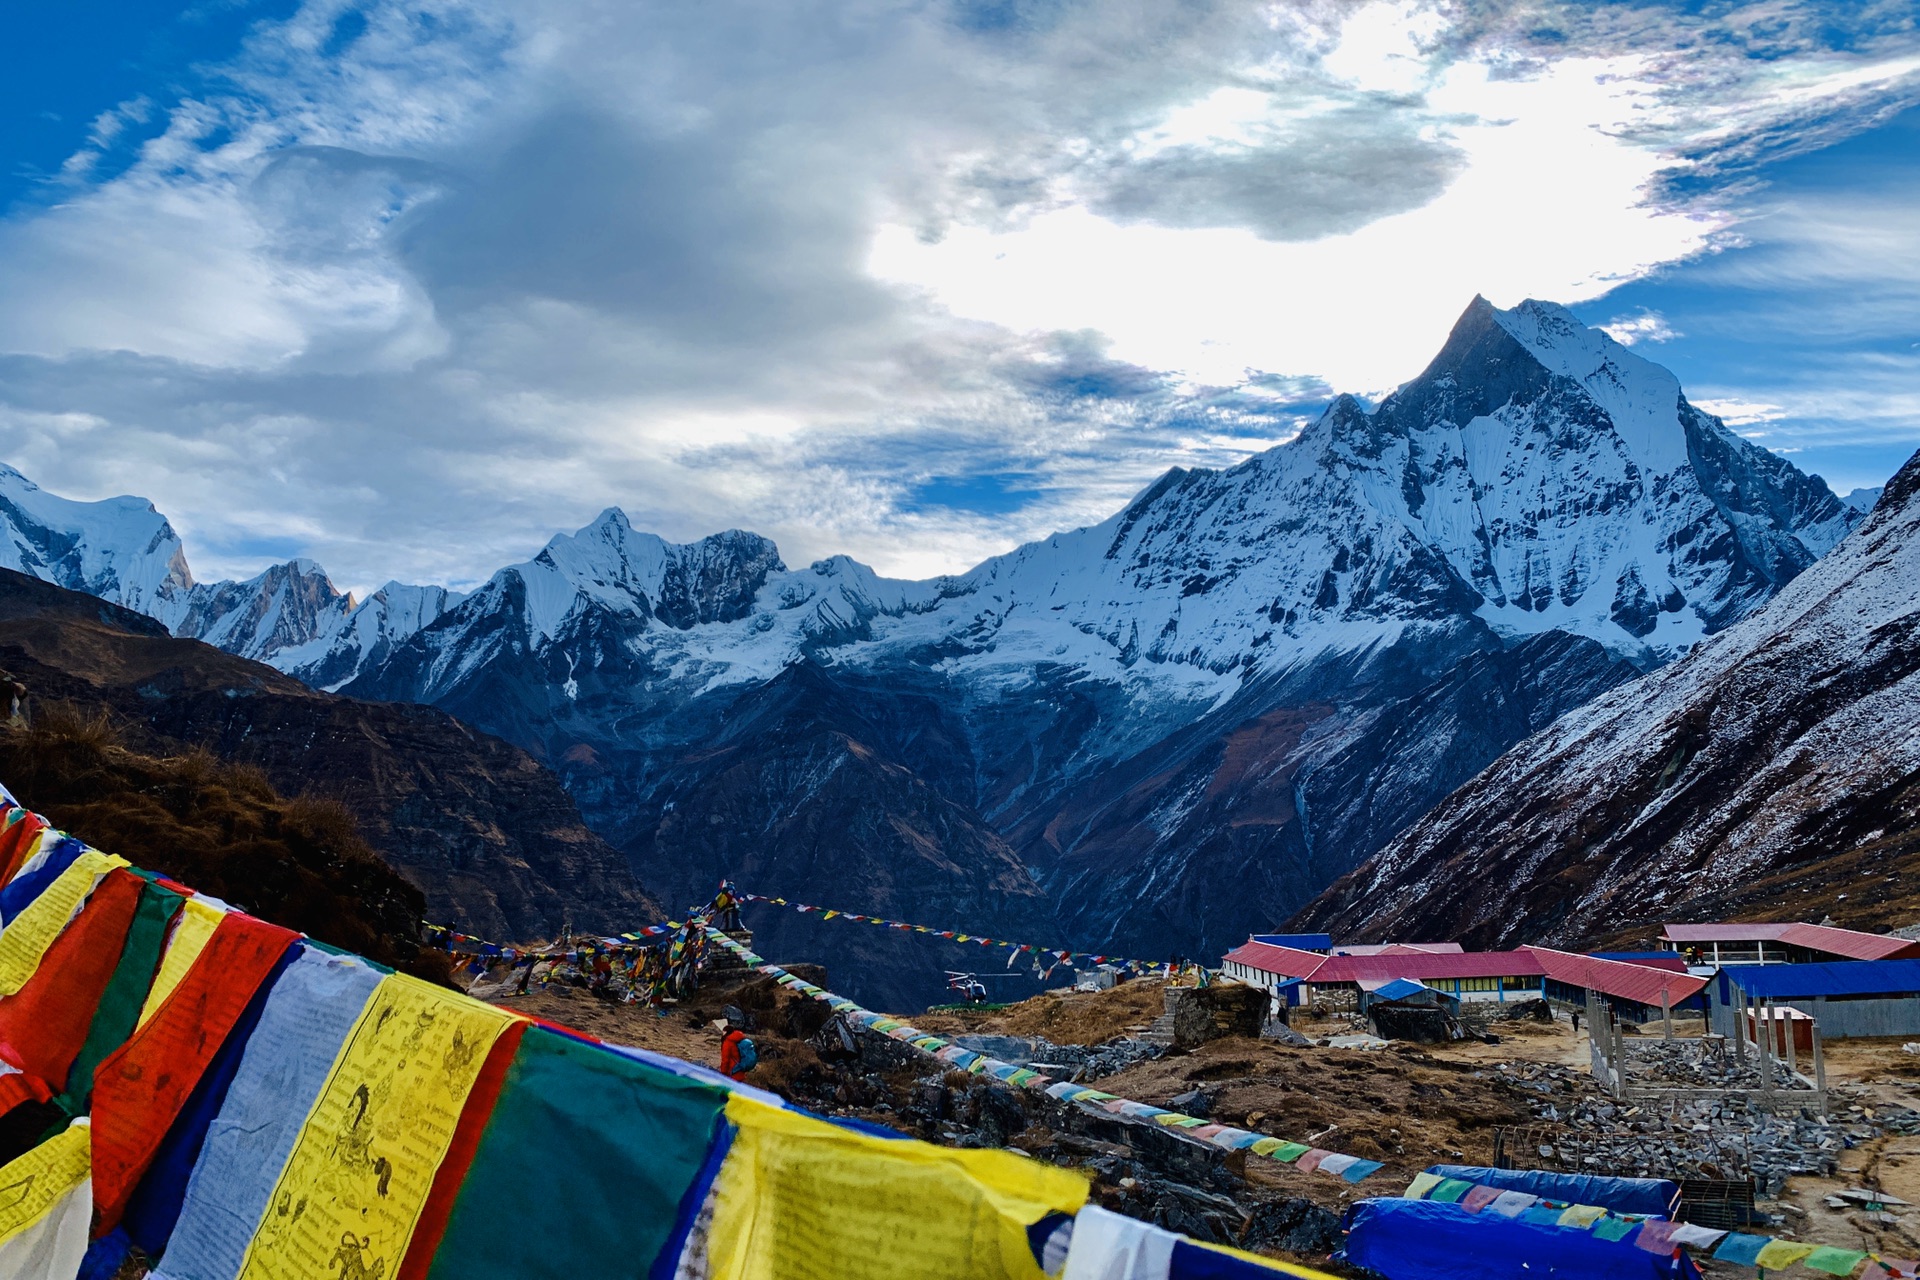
737,1054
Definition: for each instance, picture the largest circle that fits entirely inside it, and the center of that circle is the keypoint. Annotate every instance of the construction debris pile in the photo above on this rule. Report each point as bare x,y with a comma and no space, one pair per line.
1708,1063
1700,1139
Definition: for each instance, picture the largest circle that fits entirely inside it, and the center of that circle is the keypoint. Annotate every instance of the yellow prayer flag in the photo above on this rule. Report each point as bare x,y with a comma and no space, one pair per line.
1783,1253
800,1199
198,920
1582,1215
24,942
31,1185
352,1190
1266,1146
1417,1189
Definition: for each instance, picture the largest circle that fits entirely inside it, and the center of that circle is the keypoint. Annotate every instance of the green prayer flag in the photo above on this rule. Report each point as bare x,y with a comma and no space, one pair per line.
1835,1262
581,1169
118,1012
1448,1192
1615,1228
1287,1153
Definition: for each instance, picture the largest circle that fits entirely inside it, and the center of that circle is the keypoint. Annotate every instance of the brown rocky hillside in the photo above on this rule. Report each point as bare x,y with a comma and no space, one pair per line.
487,833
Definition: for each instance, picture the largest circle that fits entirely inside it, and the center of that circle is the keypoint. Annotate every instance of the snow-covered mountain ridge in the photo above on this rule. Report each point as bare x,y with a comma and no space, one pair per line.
1774,770
123,550
1538,476
1232,690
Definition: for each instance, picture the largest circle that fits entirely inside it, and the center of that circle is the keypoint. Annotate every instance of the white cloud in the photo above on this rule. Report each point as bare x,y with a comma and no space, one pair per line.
418,298
1646,326
1736,412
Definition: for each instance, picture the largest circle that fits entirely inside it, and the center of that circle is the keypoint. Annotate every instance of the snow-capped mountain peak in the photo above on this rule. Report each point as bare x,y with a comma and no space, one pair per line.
1640,397
120,549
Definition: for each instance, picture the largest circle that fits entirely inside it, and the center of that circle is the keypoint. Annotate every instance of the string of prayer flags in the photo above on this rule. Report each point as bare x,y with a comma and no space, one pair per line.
1655,1235
1349,1168
1058,956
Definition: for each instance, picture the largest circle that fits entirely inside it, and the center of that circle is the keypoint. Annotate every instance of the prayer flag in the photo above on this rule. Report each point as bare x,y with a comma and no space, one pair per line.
44,1025
1782,1253
307,1013
1656,1237
366,1157
800,1199
46,1207
28,934
141,1086
190,937
630,1138
1835,1262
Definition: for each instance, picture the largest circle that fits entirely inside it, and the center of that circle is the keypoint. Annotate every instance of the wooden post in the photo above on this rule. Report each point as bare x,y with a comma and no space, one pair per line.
1740,1031
1666,1010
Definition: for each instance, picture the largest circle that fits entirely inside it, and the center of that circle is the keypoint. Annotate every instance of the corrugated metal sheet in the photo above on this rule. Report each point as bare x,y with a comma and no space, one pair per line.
1839,978
1618,978
1850,943
1285,961
1753,932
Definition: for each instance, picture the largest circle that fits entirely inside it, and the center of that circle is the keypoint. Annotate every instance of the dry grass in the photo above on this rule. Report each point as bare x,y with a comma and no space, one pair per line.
220,828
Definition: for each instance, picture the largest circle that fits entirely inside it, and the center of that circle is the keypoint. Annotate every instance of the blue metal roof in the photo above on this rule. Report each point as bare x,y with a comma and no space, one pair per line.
1298,941
1840,978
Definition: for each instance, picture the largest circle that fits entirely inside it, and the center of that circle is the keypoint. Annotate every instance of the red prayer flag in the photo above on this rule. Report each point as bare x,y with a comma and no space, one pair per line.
45,1023
1657,1237
15,841
141,1086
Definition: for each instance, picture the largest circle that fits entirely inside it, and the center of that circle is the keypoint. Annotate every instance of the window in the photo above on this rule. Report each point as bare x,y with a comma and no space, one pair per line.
1479,984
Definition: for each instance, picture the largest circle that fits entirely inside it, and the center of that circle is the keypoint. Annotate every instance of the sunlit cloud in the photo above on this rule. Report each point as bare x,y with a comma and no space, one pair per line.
899,281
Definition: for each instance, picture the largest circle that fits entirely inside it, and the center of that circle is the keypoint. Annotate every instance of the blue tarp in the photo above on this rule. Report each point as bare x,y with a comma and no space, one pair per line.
1622,1195
1401,988
1421,1240
1841,978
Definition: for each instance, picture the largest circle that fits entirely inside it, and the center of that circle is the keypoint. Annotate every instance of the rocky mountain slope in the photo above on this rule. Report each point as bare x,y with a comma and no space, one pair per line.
1183,721
487,832
1775,771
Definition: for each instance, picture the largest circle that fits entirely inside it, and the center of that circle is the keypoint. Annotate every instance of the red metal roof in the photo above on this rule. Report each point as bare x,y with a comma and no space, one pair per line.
1619,978
1851,943
1423,965
1752,932
1267,958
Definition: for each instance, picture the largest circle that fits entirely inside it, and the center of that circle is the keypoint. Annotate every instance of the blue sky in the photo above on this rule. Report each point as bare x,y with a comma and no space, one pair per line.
408,288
